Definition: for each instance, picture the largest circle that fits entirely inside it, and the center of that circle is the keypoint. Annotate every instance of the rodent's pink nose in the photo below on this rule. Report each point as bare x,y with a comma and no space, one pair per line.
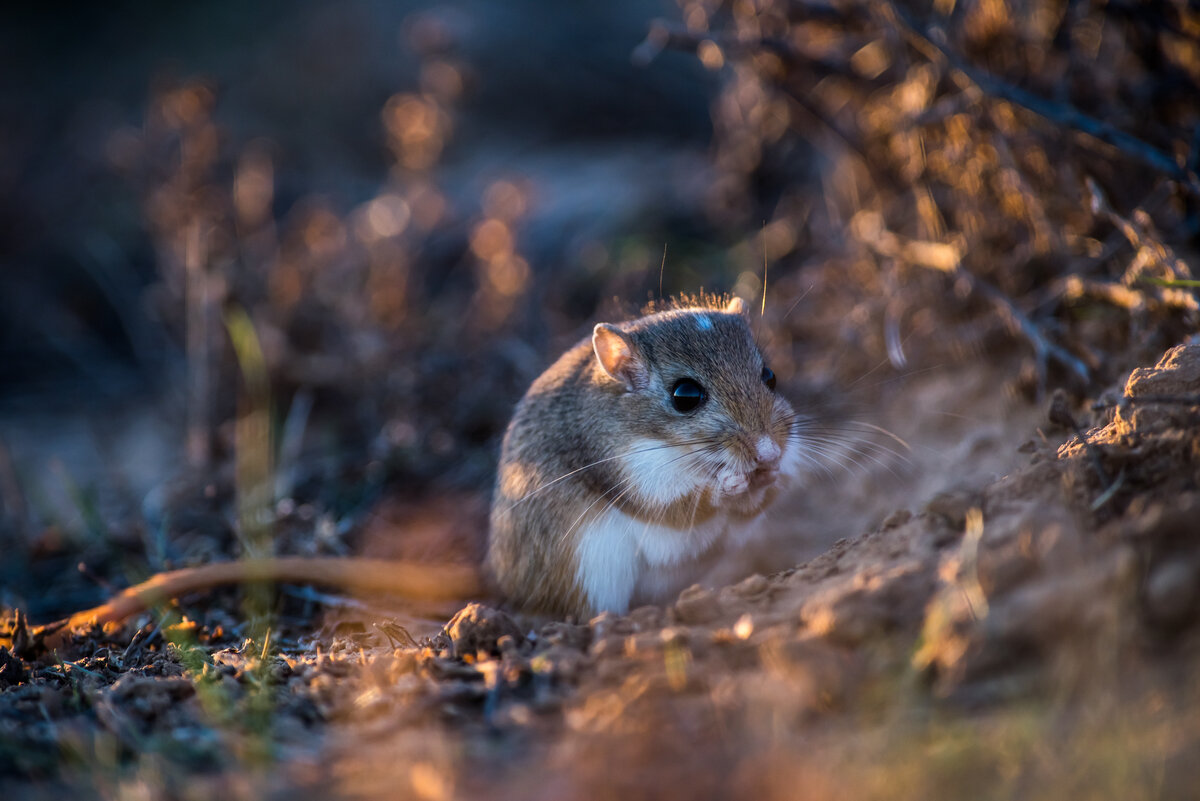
767,453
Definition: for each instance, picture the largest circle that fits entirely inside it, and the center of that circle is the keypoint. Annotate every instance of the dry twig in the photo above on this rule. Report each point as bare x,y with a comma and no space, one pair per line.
931,43
1044,349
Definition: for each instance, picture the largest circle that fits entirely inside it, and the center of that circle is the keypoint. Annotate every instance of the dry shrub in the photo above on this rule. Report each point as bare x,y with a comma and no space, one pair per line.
986,169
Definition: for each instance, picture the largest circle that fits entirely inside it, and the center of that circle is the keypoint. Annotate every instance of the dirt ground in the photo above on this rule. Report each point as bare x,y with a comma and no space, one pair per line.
1028,636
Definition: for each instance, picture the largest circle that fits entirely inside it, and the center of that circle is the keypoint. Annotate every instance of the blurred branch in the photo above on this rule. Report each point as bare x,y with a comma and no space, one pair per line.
1044,349
663,36
1160,16
929,42
1115,241
946,257
1119,295
850,138
666,36
1149,250
1137,233
812,11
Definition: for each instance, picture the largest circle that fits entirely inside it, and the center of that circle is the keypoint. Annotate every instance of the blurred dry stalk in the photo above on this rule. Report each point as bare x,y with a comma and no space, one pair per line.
345,302
503,274
177,153
956,145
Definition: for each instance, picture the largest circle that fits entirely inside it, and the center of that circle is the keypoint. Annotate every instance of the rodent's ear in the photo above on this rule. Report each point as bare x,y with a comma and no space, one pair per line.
735,305
619,357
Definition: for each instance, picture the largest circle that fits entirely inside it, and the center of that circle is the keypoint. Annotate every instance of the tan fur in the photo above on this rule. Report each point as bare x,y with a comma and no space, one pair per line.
560,464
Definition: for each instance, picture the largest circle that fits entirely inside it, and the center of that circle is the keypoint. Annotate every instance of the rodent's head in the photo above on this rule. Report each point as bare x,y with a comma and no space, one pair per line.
700,405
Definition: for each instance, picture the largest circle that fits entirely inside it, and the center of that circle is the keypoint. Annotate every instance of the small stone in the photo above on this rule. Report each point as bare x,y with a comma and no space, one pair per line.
1171,591
601,625
952,506
1059,413
479,628
752,586
646,618
697,606
568,634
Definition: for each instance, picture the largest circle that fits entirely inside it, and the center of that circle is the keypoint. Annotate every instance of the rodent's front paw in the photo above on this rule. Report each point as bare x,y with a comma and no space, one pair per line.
733,483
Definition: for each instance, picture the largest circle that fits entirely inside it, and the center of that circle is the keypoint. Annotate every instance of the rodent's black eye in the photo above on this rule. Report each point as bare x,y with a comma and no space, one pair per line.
768,377
687,395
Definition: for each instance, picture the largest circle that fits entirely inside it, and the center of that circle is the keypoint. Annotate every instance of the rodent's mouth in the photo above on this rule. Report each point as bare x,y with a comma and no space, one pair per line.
748,485
761,478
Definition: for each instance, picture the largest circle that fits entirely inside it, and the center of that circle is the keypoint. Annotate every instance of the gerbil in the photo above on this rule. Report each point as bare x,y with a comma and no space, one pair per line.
627,466
632,459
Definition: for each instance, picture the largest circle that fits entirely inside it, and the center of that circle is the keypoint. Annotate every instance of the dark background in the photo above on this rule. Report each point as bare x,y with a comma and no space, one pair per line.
310,78
118,434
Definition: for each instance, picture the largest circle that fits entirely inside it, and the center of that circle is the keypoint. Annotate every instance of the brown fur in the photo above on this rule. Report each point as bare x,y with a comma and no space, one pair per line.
559,468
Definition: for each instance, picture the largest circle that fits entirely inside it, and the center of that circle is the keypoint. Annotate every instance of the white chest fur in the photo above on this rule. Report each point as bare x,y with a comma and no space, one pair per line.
622,560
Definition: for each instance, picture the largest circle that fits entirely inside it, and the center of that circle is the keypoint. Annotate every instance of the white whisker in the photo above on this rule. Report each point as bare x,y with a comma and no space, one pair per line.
590,465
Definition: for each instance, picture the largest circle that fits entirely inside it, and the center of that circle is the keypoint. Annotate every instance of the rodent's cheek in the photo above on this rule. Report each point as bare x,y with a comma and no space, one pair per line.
660,473
783,414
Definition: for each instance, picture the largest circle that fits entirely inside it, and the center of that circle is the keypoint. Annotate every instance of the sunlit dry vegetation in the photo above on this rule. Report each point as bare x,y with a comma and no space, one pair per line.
974,217
1029,167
